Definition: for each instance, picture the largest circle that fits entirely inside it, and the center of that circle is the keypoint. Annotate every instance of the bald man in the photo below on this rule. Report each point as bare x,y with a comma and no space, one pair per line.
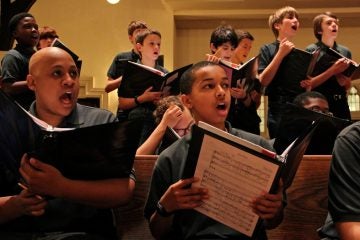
77,209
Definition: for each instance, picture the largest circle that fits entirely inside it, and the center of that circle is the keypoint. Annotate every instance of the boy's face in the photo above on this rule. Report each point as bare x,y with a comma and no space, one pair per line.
209,100
46,42
288,27
317,105
150,49
243,49
329,28
224,51
184,125
55,80
26,32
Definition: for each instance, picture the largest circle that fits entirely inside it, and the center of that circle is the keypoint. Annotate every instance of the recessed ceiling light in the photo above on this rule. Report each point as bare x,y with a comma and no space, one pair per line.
113,1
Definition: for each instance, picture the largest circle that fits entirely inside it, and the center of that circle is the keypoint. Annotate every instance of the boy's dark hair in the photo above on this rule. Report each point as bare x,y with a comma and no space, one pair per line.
188,77
317,23
143,34
223,34
134,25
243,34
164,104
279,16
14,21
303,98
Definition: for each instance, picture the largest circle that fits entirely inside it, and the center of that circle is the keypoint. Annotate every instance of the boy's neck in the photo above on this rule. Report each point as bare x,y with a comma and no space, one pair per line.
148,62
22,45
284,35
135,51
328,42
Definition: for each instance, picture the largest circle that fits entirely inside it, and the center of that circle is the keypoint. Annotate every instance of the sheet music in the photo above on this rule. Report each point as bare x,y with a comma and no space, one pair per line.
234,178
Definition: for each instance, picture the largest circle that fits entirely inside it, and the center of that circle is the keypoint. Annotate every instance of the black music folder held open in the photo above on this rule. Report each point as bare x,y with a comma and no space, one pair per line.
236,171
138,77
296,118
95,152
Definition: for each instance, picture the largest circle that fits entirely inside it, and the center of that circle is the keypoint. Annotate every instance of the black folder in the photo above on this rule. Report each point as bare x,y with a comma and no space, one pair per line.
89,153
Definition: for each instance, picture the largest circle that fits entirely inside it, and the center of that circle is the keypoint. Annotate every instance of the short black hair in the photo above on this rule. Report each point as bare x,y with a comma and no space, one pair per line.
223,34
303,98
188,77
14,21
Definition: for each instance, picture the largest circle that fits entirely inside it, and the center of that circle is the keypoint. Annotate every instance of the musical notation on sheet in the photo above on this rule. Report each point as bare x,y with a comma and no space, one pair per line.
234,178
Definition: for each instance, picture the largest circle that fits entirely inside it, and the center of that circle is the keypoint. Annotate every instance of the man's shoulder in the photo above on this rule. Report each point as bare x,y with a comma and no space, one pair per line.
93,116
353,128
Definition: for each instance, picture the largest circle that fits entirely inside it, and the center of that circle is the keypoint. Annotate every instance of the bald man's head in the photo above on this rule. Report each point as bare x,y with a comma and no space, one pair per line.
54,78
41,58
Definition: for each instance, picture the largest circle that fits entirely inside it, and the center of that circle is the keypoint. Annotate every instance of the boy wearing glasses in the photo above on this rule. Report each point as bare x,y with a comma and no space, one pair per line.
169,113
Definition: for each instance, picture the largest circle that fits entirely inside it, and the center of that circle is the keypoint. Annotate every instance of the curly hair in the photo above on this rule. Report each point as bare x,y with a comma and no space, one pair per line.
164,104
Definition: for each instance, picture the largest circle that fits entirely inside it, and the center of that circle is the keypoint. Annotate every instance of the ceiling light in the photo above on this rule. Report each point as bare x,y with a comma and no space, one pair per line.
113,1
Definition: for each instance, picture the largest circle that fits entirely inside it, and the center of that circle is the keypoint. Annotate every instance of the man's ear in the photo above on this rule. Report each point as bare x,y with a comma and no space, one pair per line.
186,100
31,82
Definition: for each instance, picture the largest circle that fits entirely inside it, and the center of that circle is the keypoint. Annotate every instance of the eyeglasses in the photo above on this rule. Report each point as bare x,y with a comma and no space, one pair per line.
183,131
323,111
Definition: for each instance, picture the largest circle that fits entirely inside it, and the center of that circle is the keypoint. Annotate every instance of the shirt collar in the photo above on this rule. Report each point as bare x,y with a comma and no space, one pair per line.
73,120
323,46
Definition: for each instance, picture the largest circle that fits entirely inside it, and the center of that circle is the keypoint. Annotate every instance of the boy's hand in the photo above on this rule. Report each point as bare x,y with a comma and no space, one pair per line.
179,197
238,93
149,96
172,116
268,206
212,58
285,47
306,84
340,65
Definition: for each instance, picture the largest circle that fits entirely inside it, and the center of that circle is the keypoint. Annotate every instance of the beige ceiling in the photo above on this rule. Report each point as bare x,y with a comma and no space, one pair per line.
254,13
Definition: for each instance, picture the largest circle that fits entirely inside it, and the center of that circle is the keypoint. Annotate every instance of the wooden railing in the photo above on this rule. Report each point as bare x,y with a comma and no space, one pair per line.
307,201
305,212
130,220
